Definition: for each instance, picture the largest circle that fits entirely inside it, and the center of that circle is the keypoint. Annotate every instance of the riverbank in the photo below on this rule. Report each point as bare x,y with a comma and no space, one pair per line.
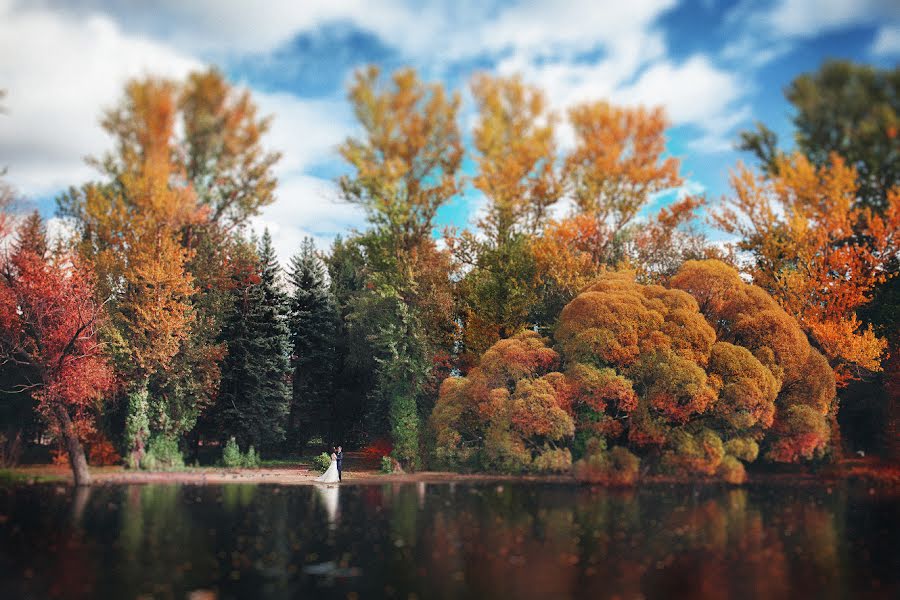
868,471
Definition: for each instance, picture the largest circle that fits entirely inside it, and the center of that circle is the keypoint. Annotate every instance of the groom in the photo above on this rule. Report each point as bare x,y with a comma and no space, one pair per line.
340,462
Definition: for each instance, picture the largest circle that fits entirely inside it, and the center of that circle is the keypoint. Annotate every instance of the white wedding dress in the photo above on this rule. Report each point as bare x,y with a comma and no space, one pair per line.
331,474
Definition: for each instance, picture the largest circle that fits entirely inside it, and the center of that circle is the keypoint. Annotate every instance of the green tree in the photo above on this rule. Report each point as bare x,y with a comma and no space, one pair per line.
847,108
313,326
254,398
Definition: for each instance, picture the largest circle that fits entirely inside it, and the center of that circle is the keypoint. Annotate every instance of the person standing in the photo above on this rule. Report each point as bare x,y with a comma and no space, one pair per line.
340,463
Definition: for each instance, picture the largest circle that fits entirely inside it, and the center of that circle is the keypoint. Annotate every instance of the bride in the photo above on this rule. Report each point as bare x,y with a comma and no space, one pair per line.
331,474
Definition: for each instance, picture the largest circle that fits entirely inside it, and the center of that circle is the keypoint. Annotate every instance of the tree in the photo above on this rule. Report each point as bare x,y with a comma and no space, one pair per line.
846,109
514,137
49,323
406,165
616,165
254,395
313,325
818,251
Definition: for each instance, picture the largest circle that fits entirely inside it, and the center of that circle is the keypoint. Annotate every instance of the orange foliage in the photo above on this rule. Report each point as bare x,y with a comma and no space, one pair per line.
617,161
817,251
516,170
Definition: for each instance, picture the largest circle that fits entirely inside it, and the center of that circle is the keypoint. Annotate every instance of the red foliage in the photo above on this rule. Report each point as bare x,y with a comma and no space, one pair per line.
377,448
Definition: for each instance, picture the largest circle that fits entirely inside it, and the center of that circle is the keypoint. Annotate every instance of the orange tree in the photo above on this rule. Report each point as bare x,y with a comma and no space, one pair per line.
817,250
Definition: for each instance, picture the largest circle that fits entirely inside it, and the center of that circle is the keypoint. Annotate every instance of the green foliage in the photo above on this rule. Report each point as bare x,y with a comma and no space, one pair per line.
313,320
322,462
137,427
254,397
251,459
231,454
387,465
162,455
847,108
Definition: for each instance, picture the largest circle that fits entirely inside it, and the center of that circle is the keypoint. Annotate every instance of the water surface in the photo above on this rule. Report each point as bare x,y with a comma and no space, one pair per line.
481,540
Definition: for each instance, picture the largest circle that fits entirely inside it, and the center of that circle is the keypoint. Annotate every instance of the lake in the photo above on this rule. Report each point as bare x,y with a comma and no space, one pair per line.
472,540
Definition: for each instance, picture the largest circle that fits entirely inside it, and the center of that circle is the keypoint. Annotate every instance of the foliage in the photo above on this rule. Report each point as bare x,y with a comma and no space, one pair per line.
137,427
617,466
231,454
848,109
254,397
693,379
162,455
387,465
49,323
251,459
805,233
313,325
322,462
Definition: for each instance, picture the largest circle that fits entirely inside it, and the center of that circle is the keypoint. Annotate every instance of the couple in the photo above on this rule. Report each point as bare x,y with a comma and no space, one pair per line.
335,469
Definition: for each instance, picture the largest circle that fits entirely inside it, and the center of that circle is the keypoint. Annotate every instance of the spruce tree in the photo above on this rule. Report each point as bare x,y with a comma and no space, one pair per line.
313,324
254,398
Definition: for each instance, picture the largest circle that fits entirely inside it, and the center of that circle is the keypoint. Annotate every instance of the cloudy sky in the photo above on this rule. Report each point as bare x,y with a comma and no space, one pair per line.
716,66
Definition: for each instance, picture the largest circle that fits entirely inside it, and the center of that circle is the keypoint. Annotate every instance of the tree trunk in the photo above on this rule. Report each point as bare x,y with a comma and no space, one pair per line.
73,447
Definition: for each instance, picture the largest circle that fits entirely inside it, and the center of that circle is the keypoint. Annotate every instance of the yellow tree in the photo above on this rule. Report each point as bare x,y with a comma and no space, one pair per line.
516,158
518,175
617,163
817,250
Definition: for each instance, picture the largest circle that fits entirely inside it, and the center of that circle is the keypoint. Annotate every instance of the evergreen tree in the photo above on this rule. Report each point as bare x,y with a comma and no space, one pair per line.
254,398
313,325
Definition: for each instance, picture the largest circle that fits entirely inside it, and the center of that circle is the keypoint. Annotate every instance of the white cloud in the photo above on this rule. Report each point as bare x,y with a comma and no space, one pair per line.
803,18
59,74
887,41
307,206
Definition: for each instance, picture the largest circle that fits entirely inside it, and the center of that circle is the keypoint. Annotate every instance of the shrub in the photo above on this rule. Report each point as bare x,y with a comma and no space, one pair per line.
553,460
387,465
745,449
731,470
251,459
614,467
231,454
322,462
162,455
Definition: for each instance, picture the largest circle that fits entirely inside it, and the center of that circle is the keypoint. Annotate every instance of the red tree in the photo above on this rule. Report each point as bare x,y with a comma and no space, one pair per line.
49,322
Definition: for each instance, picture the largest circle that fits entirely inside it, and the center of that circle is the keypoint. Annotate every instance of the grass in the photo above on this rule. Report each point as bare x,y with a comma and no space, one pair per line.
15,477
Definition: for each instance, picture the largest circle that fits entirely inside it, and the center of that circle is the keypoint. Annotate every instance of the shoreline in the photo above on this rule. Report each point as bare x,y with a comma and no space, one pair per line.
876,474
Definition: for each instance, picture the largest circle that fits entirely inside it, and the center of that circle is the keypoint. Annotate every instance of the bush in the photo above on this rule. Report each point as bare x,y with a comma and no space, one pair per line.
162,455
553,460
251,459
731,470
322,462
387,465
231,455
614,467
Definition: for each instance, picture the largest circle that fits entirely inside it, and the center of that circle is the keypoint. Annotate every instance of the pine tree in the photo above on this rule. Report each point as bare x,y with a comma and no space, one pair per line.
313,324
255,397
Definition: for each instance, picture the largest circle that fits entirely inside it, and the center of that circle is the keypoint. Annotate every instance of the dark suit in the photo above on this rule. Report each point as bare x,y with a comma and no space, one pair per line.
340,462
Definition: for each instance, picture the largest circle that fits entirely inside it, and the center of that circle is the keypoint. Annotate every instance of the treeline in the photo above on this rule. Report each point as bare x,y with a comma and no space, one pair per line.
163,326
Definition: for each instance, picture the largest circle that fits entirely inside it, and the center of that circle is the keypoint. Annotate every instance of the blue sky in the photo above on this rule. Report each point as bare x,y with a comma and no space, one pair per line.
715,66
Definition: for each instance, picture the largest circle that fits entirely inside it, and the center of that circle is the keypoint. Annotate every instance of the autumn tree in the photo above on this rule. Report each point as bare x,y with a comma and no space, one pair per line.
846,109
518,175
186,171
616,165
817,250
49,324
405,166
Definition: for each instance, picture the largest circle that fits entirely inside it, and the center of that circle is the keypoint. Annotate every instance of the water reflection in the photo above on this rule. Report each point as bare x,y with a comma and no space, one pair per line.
444,541
328,498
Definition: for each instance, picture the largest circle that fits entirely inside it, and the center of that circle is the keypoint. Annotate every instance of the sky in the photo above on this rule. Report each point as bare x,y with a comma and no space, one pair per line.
716,67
